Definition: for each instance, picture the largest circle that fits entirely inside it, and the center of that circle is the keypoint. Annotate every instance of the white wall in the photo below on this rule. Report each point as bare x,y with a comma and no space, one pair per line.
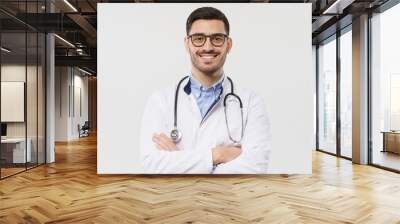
141,50
61,103
79,117
68,83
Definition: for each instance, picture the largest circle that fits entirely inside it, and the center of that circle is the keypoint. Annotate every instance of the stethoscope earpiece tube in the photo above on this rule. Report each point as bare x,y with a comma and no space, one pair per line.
230,80
234,95
176,135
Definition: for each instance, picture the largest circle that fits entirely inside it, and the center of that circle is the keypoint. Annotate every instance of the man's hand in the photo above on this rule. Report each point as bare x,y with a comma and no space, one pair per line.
163,142
225,153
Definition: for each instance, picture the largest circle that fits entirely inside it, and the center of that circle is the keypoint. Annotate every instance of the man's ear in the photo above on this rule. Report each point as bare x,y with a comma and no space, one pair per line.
186,43
229,44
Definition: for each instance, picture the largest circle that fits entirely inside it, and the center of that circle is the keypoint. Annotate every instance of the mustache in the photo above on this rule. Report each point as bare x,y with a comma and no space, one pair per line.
207,52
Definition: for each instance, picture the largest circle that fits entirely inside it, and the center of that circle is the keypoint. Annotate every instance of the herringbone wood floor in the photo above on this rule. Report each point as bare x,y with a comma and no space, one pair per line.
70,191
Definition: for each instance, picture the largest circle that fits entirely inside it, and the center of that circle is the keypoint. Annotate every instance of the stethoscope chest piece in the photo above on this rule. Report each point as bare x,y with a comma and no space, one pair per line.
176,135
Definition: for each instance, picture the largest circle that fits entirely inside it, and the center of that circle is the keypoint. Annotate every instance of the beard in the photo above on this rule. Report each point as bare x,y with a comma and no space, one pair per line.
208,69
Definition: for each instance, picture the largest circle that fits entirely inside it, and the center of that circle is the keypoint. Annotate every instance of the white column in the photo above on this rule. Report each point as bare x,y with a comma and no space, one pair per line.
50,92
360,90
50,110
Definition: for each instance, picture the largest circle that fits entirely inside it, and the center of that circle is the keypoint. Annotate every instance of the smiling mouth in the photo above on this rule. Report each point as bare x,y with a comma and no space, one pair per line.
208,56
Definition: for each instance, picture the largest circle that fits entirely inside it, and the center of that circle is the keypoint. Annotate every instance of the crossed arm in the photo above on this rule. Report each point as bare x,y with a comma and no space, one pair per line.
220,154
160,155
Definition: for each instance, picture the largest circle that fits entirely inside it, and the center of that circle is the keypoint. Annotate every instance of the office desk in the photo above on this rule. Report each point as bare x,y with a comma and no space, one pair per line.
13,150
391,141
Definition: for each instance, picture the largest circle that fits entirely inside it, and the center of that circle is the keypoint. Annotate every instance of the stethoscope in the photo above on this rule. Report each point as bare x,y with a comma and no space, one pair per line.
176,135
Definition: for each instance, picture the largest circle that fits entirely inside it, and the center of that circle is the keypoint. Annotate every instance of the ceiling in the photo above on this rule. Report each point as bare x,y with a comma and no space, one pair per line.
76,22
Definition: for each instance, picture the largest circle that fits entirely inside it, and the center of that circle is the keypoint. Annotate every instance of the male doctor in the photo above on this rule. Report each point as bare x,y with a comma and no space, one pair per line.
208,134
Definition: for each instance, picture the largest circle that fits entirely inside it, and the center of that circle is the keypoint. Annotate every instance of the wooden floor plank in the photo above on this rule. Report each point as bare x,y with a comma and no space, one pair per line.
70,191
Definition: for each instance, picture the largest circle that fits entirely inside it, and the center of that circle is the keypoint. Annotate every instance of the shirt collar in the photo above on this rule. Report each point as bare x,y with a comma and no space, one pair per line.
194,84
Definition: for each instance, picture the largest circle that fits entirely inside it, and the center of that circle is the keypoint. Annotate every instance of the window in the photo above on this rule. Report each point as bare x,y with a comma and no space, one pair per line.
385,89
346,93
327,96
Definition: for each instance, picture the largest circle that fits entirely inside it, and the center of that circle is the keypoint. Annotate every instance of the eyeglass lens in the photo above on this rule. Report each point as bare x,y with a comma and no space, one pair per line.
199,40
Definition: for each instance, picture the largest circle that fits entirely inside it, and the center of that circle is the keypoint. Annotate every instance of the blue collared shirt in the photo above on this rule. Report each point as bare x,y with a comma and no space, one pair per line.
205,97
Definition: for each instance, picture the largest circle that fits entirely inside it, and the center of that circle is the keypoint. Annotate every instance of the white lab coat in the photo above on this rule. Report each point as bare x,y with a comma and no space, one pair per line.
199,137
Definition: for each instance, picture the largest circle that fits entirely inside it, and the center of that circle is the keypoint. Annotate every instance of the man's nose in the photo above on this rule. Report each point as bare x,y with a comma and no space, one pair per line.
207,44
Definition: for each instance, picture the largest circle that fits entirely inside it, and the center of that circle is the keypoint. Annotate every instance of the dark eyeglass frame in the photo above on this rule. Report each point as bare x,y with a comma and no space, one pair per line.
212,36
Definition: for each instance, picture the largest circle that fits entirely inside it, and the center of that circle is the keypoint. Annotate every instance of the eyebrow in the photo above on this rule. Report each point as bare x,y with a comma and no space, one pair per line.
206,34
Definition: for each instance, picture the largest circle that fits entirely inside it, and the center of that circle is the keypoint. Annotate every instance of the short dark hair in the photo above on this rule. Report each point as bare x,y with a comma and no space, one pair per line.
207,13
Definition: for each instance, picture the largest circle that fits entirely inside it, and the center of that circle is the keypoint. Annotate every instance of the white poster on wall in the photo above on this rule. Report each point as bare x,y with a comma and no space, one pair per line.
12,101
144,50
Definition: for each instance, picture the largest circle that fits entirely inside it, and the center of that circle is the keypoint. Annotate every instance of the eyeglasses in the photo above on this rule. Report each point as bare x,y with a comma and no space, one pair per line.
216,39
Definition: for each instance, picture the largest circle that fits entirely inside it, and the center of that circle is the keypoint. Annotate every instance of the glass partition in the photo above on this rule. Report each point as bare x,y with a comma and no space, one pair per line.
35,89
346,93
32,95
385,89
41,107
22,67
13,109
327,96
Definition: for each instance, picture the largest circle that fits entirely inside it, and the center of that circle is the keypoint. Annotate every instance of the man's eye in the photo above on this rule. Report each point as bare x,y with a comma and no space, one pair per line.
198,38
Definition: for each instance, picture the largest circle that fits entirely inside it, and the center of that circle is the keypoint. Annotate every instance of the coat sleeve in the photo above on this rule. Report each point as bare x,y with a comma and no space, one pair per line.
256,143
156,161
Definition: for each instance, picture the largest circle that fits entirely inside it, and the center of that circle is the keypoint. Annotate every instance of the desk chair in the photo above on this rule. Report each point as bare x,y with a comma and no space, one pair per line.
84,130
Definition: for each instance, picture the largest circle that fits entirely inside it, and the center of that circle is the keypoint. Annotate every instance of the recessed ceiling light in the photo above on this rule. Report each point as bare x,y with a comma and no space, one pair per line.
70,5
84,71
5,50
64,40
337,7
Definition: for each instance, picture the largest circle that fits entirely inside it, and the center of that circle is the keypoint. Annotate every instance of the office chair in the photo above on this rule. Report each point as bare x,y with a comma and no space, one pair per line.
84,130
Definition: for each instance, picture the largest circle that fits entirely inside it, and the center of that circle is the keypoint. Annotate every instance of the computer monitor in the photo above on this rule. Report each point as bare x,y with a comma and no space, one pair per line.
3,129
